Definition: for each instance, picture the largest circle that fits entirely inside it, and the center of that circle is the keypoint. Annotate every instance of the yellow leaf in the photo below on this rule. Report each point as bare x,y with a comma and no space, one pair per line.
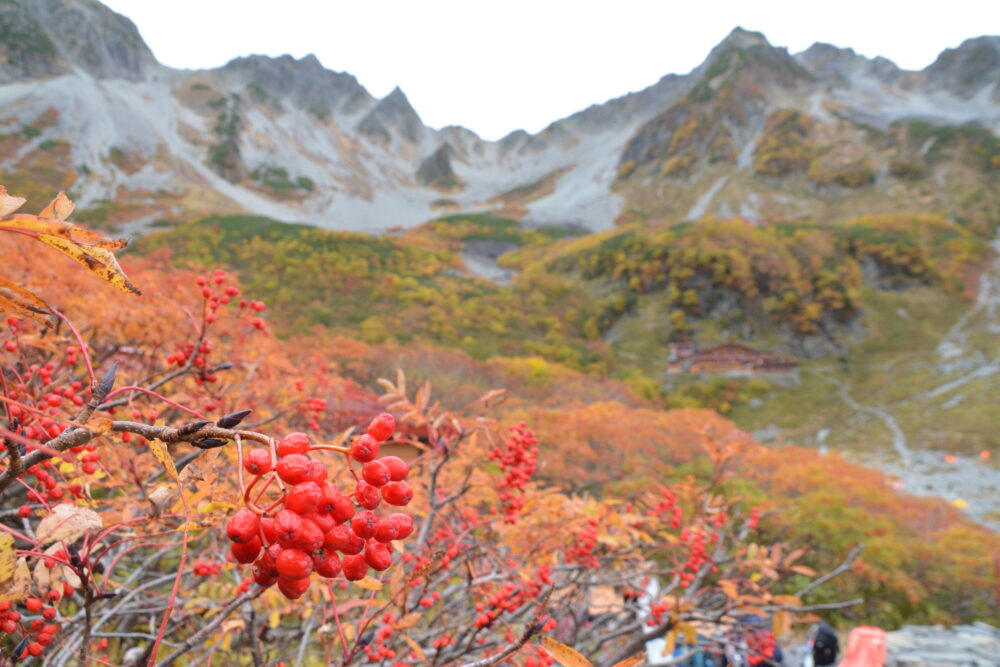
8,559
163,456
409,620
67,522
19,302
66,468
100,426
563,654
370,583
781,622
274,619
636,659
100,261
690,635
19,586
729,588
671,643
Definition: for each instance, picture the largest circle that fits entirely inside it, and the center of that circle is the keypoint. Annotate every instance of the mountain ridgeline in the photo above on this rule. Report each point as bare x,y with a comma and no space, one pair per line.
753,132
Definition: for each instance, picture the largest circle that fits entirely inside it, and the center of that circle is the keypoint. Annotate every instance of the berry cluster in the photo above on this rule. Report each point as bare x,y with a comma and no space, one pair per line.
668,504
37,633
760,646
203,568
517,460
584,544
696,540
316,519
754,518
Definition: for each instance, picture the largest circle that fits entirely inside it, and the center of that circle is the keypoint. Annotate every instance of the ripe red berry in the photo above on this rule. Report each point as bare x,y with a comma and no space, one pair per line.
382,427
315,472
355,567
35,649
243,526
323,520
355,544
378,556
24,511
343,509
294,564
364,448
268,529
376,473
367,495
293,443
44,639
34,605
398,468
263,576
10,627
364,524
49,613
257,461
246,552
293,589
304,497
329,567
310,537
394,527
337,538
287,527
397,493
293,468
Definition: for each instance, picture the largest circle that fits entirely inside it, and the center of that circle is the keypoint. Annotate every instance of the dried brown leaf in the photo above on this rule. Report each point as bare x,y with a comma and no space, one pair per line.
67,522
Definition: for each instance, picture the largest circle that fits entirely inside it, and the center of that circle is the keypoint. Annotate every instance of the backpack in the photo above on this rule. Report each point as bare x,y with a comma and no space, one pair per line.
825,645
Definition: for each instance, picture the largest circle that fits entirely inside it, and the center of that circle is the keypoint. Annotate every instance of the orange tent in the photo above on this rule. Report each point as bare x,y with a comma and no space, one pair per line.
865,648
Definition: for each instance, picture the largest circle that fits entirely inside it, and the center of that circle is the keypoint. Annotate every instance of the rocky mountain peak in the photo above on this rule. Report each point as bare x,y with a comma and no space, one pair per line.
393,116
305,82
42,38
838,65
967,69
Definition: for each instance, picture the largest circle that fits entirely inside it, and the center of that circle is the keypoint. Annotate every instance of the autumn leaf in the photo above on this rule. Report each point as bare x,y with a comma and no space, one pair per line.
163,456
19,302
67,522
563,654
17,587
9,204
636,659
59,208
8,559
369,583
100,261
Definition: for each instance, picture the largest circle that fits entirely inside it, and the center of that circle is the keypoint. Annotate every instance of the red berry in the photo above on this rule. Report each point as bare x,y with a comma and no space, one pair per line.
293,443
263,576
310,537
364,524
257,461
35,649
398,468
397,493
382,427
294,564
287,527
267,527
24,511
315,472
34,605
293,589
246,552
49,614
394,527
364,448
304,497
355,567
376,473
10,627
337,538
324,521
367,495
44,639
243,526
378,556
293,468
89,468
329,567
343,509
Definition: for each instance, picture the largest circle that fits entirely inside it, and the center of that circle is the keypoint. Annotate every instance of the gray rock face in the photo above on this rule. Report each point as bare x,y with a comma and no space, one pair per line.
306,83
436,172
837,66
966,70
42,38
393,115
976,645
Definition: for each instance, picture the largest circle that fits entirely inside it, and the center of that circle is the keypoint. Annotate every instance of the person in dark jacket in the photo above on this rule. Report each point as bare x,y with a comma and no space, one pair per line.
824,644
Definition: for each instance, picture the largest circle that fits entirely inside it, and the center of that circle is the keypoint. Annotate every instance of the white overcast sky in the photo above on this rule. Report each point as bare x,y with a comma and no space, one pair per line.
496,66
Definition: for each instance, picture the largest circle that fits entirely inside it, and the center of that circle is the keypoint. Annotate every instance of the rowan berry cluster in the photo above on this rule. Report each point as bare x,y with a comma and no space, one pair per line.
316,520
760,646
696,540
584,543
203,568
668,504
517,460
37,633
754,518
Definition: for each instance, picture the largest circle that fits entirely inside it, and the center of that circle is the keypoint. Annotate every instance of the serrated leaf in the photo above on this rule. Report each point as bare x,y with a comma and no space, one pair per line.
8,558
97,260
274,619
19,302
67,522
564,655
163,456
370,583
729,588
409,620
